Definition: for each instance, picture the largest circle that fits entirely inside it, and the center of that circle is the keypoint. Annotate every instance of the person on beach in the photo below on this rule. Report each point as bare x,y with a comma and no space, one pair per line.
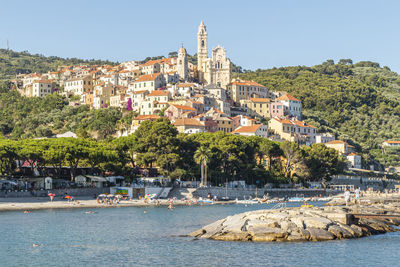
358,195
347,196
170,207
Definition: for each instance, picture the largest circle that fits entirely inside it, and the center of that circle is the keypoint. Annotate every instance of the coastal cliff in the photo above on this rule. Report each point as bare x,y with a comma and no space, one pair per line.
304,224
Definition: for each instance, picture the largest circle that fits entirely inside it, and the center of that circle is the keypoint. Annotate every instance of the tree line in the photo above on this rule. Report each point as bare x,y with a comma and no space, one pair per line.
157,144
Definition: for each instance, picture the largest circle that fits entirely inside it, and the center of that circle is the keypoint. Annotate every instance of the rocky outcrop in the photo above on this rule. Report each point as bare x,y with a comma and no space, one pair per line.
301,224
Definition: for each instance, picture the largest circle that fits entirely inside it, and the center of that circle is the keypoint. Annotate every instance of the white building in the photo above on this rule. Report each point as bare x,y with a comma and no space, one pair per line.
149,82
324,138
293,105
41,88
354,160
254,130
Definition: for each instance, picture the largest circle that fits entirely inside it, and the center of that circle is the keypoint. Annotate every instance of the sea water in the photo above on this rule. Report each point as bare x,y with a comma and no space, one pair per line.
132,236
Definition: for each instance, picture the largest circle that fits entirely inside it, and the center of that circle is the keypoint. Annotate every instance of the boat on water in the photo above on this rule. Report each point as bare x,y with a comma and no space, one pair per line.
324,199
247,201
296,199
207,201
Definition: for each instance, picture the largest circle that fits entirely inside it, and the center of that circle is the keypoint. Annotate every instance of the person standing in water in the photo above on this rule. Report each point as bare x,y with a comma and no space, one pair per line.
357,195
347,196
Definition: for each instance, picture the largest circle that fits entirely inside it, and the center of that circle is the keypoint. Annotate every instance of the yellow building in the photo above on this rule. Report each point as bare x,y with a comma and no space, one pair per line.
241,89
78,86
340,146
189,126
293,130
257,106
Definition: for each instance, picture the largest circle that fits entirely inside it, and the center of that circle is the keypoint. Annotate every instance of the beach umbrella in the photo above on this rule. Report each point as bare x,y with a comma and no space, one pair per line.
110,195
51,195
102,195
118,196
68,197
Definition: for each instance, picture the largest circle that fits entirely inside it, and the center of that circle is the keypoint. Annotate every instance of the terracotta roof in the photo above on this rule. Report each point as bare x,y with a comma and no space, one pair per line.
184,107
247,83
287,97
42,81
259,100
139,92
294,122
335,142
185,85
219,112
159,93
194,102
148,77
159,61
352,154
150,62
247,129
187,122
147,117
392,142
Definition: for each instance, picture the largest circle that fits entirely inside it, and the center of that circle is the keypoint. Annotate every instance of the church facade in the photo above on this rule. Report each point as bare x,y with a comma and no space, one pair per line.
215,70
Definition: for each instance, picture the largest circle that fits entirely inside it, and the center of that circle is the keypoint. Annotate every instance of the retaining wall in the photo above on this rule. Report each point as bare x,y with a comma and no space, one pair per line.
241,193
78,192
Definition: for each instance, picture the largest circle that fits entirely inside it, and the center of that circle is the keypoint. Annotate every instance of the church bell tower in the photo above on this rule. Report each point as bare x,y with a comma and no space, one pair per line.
201,49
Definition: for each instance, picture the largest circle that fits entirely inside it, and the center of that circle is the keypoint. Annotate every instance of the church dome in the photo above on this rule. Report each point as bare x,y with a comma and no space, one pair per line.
182,50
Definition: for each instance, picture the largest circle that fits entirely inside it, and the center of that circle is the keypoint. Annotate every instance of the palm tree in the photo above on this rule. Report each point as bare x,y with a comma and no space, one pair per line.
201,156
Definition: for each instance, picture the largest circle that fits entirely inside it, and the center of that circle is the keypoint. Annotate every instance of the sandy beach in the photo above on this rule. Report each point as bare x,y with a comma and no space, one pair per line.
29,204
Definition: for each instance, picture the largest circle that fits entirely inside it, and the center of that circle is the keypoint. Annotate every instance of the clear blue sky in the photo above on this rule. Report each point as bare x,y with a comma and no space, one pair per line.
256,34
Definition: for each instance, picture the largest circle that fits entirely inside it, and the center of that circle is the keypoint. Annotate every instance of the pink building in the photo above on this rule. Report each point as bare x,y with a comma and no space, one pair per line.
277,109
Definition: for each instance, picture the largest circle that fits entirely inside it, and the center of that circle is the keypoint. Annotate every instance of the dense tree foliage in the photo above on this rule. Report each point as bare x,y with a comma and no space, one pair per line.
157,144
360,102
22,117
12,63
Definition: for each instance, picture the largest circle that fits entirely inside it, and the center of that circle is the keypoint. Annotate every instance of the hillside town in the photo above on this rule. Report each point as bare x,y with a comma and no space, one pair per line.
202,97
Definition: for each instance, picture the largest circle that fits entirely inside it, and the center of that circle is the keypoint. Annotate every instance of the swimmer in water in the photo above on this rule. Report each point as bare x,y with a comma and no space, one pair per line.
170,207
144,211
27,211
89,212
35,245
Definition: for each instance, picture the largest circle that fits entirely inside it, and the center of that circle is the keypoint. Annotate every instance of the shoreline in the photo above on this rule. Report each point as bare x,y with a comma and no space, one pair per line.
34,204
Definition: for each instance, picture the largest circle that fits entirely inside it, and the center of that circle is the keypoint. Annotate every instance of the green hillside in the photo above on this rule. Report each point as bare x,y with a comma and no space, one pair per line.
358,102
22,117
12,63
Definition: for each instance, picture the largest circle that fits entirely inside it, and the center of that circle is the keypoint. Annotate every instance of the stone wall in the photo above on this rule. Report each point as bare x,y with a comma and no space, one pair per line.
241,193
76,192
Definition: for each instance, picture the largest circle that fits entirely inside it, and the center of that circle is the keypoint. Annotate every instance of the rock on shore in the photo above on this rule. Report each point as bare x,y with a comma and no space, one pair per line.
300,224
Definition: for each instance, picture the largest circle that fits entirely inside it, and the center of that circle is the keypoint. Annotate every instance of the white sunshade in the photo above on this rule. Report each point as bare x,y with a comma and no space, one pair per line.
8,181
96,178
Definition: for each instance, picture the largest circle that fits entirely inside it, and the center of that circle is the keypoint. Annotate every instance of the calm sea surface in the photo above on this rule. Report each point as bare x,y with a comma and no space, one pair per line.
130,237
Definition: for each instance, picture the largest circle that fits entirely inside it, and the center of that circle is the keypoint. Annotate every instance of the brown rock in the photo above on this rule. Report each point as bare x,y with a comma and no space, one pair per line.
266,234
339,232
317,234
317,222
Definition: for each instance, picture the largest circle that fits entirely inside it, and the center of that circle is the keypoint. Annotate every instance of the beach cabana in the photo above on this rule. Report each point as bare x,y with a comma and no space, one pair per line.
97,180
